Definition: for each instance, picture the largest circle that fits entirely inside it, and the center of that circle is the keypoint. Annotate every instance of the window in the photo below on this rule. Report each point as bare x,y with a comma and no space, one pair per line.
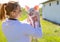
49,4
57,2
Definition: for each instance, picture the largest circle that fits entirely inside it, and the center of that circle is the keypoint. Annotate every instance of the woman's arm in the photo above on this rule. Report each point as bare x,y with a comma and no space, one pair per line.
36,32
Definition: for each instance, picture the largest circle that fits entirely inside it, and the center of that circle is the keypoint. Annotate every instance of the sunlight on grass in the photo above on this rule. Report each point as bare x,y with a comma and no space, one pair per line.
2,37
51,32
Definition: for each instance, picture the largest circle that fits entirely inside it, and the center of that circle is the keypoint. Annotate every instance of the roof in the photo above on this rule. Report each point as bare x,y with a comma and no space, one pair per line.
47,1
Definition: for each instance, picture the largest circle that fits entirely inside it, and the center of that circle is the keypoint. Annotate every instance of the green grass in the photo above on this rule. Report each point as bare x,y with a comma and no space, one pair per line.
51,32
2,37
23,14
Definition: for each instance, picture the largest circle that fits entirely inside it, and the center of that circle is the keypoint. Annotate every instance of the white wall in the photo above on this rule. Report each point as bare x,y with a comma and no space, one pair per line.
52,12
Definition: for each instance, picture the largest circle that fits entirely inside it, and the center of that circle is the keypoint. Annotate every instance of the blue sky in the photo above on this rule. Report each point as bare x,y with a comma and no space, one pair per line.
30,3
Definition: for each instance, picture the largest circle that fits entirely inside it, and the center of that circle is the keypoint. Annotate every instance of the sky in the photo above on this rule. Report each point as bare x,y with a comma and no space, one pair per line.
23,3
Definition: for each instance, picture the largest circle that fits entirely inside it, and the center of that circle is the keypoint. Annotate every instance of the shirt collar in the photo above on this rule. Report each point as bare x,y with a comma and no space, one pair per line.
12,19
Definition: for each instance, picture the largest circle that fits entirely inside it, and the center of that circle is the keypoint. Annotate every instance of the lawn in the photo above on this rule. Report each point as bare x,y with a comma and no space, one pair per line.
51,32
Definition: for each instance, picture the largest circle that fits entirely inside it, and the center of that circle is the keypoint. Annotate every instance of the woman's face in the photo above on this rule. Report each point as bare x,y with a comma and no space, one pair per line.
17,12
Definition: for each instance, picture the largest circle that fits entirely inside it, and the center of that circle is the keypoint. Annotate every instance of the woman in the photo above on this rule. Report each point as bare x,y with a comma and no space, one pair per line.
14,30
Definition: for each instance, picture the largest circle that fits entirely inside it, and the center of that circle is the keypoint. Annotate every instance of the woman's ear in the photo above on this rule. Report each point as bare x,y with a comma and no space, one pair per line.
36,7
27,8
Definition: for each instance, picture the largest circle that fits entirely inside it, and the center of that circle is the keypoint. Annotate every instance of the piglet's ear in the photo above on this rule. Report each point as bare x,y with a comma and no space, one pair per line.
26,8
36,7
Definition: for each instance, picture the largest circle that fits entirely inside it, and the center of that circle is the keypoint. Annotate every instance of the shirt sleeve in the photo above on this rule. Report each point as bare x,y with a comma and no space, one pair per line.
35,32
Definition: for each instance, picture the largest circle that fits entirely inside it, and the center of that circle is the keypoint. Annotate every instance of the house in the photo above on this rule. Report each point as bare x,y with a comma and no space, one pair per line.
51,10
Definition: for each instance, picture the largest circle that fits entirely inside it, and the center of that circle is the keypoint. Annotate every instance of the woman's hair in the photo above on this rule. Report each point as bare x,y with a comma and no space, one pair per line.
2,11
7,8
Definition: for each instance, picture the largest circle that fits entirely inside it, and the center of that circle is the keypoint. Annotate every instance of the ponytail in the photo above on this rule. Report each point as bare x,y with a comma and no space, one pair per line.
2,12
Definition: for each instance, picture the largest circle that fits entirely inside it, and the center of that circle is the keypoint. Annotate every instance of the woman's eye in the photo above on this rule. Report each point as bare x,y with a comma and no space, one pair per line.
20,10
14,11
